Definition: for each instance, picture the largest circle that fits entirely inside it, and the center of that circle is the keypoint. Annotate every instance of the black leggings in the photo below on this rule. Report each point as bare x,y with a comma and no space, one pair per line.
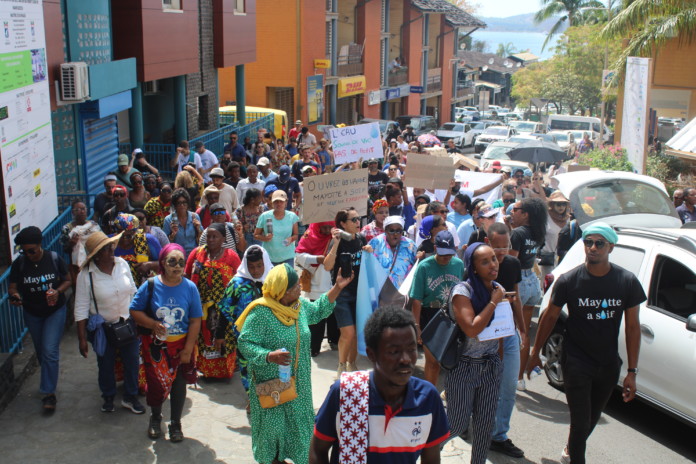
588,389
317,330
177,398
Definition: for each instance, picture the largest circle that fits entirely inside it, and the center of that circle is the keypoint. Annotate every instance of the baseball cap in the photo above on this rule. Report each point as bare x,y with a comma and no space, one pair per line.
216,207
496,164
279,195
284,173
217,172
263,161
137,150
506,169
299,121
486,211
110,177
122,159
372,160
199,144
444,243
307,168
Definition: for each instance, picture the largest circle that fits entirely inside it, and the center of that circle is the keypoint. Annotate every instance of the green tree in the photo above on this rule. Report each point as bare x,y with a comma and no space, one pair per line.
480,46
568,12
527,83
505,49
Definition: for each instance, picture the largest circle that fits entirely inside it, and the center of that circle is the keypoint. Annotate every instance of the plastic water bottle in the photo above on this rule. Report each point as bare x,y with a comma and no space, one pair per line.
167,326
536,372
284,372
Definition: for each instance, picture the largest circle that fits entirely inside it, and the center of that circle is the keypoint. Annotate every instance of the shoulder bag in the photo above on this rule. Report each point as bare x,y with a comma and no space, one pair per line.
273,392
443,337
119,333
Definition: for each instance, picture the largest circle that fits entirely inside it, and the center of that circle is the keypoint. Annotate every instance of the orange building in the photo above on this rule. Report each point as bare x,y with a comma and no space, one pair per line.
330,61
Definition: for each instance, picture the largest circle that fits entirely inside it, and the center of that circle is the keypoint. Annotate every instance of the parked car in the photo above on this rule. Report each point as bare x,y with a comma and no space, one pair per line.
527,127
498,151
493,134
385,125
545,137
566,140
457,131
663,259
420,124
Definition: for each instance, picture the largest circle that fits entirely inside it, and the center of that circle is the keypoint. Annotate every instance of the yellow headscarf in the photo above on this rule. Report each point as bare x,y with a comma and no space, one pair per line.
277,282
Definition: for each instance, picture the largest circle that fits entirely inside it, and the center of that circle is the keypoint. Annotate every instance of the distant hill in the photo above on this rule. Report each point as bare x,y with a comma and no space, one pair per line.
518,23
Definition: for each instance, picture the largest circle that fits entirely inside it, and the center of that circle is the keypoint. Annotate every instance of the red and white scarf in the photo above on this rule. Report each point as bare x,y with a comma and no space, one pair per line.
353,417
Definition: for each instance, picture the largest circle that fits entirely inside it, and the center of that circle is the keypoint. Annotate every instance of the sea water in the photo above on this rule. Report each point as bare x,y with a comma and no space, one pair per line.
521,41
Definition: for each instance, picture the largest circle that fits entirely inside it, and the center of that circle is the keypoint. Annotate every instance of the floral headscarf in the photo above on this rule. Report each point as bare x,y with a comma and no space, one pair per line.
381,203
125,221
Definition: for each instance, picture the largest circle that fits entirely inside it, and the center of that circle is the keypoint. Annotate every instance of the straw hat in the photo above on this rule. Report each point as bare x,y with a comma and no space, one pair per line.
95,242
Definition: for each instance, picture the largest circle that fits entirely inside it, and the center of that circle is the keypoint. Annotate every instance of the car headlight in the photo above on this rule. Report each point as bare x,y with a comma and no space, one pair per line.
457,140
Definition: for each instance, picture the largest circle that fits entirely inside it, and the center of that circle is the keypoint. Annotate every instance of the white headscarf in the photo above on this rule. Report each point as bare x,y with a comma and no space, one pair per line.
393,220
243,270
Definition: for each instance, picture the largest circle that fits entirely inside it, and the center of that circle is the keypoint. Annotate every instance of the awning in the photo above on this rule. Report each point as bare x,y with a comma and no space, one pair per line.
354,85
487,84
683,143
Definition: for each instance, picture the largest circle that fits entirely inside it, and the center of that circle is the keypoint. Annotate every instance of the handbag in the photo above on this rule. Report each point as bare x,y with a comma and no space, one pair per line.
273,392
443,337
119,333
547,258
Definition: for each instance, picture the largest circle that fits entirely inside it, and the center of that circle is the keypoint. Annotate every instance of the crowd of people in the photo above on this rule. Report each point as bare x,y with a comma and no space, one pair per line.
215,272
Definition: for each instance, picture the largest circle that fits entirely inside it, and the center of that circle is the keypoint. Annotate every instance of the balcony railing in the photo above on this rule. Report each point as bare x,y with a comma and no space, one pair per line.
398,76
464,92
434,83
349,61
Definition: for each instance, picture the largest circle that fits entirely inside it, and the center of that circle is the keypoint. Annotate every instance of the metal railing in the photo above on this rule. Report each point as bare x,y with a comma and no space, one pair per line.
434,83
465,91
398,76
12,328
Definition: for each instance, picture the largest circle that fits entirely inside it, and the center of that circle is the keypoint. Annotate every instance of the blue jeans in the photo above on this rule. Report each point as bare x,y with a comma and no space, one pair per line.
508,386
130,355
46,333
530,288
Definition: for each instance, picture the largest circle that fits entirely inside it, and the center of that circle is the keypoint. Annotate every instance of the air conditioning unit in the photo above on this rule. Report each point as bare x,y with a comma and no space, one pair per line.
151,88
74,82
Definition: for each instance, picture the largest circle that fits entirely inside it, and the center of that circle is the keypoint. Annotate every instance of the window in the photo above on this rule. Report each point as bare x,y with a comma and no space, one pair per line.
171,4
619,196
239,6
673,288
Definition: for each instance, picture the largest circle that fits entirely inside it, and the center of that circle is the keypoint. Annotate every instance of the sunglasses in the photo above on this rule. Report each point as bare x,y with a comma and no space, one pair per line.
355,220
119,194
519,177
507,202
180,203
589,243
30,252
174,262
394,231
218,213
537,178
166,190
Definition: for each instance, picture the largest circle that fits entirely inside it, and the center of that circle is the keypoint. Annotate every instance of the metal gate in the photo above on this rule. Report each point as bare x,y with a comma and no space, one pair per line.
285,100
100,150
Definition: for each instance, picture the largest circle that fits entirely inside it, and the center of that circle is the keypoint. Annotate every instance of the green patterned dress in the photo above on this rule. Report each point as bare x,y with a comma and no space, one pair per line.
283,432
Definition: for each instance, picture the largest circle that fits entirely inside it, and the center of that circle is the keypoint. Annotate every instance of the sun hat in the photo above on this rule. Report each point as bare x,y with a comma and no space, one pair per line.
95,242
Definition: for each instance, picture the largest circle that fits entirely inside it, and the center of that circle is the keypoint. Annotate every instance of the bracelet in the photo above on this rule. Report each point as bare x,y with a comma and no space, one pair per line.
491,302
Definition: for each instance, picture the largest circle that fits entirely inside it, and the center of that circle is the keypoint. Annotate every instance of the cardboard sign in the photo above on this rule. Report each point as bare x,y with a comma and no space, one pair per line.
324,196
354,142
428,172
470,180
437,151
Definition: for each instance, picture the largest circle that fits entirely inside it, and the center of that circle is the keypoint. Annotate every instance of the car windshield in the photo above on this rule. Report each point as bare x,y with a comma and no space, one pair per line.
496,131
525,126
496,153
546,137
479,125
519,139
561,137
617,197
452,127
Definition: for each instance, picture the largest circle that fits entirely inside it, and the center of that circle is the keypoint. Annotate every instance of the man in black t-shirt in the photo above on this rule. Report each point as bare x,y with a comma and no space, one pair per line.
375,177
597,295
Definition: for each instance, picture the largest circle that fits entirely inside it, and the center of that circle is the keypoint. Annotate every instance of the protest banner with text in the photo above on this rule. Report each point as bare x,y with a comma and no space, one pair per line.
354,142
428,172
326,195
470,180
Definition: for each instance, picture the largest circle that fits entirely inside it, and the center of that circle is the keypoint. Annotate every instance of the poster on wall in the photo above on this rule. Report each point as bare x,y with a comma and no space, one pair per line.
634,125
26,140
315,99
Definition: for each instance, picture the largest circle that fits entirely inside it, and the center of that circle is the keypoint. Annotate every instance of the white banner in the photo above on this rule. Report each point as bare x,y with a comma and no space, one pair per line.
471,180
354,142
634,122
26,138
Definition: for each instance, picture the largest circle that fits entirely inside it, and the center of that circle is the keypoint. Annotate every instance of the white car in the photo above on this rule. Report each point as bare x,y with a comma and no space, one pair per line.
498,151
527,127
663,259
566,140
459,132
477,127
491,135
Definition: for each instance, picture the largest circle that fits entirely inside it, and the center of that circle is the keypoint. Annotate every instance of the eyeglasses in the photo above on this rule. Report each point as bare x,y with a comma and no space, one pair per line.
181,203
218,213
589,243
443,211
165,190
507,202
394,231
173,262
354,220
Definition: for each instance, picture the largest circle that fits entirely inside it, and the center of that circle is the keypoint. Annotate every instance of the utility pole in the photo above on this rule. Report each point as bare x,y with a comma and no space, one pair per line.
602,114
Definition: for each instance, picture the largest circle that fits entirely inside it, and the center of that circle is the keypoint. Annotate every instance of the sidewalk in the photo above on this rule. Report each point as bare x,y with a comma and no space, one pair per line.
214,421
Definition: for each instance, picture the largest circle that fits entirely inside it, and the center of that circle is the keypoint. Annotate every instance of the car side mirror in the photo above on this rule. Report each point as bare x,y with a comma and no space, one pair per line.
477,156
691,323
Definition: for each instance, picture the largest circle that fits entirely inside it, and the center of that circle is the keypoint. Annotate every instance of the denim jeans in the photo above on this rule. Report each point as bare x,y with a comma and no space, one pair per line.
130,356
508,387
530,288
46,333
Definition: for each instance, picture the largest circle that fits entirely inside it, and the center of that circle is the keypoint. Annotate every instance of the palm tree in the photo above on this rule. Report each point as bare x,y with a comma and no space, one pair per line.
650,24
567,11
505,49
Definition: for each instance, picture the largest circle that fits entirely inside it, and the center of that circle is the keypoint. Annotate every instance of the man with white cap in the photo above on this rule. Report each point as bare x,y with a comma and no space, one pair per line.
228,194
598,294
266,174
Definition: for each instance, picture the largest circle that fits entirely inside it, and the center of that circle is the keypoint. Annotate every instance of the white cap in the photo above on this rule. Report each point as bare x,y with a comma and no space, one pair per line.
263,161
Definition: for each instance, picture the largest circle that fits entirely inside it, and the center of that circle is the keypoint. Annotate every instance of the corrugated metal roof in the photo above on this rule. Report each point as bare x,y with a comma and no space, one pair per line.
525,56
453,15
683,143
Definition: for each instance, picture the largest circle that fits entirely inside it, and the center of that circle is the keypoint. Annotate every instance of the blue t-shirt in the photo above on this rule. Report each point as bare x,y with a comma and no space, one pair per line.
152,243
324,158
282,229
456,218
186,236
172,305
395,437
465,230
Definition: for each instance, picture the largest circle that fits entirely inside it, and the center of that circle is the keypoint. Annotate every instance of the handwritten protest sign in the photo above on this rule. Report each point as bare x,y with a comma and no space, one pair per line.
428,172
472,181
354,142
325,195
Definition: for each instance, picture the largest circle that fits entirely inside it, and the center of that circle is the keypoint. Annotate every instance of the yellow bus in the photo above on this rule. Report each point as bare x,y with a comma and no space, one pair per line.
280,117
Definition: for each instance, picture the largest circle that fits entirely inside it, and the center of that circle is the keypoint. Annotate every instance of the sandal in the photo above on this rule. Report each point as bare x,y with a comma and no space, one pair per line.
49,403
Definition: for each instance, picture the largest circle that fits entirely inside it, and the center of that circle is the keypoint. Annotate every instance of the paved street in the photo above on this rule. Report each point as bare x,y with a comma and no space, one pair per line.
217,429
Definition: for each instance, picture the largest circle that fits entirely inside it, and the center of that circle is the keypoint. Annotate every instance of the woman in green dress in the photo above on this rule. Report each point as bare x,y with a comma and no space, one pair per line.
267,326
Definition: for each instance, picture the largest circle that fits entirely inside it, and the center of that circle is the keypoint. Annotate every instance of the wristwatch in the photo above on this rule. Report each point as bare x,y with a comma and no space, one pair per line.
633,370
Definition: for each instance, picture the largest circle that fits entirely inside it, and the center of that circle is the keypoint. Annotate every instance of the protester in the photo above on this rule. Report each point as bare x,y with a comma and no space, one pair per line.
183,226
251,182
415,423
169,352
125,171
208,161
248,214
138,196
228,194
185,157
380,210
290,186
159,207
467,228
326,156
150,183
485,218
433,279
472,386
273,332
559,215
74,234
461,209
140,163
194,187
430,226
687,210
103,294
678,197
103,201
37,282
278,239
152,230
138,248
212,196
591,364
120,205
210,267
585,144
300,164
396,253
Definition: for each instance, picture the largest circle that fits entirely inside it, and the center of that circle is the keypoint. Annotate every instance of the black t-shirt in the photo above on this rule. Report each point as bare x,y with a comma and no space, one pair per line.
522,241
354,247
33,280
378,179
509,273
428,247
478,236
595,307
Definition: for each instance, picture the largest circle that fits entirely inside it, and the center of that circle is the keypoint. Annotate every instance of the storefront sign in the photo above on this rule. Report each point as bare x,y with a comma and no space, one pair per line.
393,93
315,99
354,85
354,142
416,89
373,97
322,64
326,195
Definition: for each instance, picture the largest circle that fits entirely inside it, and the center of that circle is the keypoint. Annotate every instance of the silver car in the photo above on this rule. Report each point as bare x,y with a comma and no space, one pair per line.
459,132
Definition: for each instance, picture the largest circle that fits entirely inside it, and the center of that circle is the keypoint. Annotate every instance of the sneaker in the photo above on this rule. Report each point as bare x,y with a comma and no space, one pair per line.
108,405
133,404
154,429
506,447
49,403
175,433
521,386
351,367
565,456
